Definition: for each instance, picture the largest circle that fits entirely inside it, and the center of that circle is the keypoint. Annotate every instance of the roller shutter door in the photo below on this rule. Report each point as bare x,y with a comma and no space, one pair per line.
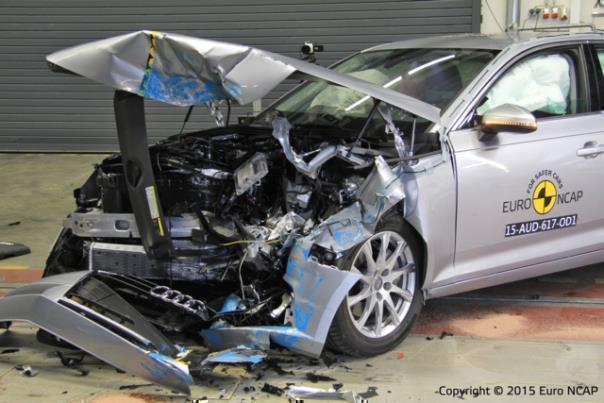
44,111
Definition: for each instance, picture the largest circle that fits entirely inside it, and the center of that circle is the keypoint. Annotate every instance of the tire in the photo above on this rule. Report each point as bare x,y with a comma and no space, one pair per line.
348,334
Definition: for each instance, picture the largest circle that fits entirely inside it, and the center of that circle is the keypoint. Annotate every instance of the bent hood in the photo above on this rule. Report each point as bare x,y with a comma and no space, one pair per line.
184,71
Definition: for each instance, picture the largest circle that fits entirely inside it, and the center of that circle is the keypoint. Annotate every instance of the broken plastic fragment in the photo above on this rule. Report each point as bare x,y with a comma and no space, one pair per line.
250,172
237,355
26,370
299,393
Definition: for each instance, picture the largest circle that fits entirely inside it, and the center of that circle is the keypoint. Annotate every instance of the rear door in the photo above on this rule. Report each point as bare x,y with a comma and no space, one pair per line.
530,198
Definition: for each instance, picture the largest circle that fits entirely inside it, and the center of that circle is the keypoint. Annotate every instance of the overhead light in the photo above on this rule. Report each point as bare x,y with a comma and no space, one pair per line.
366,97
431,63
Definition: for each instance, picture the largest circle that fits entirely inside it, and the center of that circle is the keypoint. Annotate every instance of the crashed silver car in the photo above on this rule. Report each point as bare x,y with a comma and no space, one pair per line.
408,171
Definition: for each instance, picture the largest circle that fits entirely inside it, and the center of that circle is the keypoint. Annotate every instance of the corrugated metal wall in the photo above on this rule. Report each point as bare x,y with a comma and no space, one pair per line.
44,111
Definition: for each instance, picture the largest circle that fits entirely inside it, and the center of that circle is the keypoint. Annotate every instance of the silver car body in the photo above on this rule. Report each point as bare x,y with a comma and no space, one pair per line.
459,204
455,199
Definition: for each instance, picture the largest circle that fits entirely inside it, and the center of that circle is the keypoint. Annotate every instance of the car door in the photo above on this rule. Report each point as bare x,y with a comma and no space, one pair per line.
530,198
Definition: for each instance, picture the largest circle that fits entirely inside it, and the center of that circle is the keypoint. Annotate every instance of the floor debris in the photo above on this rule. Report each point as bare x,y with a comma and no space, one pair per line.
9,351
314,378
26,370
14,223
272,389
237,355
400,355
274,364
300,393
135,386
445,334
74,361
371,392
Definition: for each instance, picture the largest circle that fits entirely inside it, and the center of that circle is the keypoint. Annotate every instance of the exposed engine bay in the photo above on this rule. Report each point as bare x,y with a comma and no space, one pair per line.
235,206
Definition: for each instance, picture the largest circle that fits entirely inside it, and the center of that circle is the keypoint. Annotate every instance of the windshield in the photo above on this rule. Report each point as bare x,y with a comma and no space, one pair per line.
434,76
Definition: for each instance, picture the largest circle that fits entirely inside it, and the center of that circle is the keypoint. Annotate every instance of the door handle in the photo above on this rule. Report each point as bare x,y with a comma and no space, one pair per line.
590,150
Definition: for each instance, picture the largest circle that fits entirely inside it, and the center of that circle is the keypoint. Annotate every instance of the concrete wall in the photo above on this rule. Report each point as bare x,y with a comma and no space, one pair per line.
579,12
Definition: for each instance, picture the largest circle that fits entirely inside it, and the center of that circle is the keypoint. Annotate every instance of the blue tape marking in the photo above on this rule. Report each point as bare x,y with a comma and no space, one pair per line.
286,340
213,338
303,308
179,89
346,236
302,316
231,303
233,89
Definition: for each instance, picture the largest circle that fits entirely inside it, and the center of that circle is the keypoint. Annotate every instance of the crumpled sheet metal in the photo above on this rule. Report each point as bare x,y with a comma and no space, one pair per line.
260,337
183,70
44,304
281,128
379,192
391,128
318,291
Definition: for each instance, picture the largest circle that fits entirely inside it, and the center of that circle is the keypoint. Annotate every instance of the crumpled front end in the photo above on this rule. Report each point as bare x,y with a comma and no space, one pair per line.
235,236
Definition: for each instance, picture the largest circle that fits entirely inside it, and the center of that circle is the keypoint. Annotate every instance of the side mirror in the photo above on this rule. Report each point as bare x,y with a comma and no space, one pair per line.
507,118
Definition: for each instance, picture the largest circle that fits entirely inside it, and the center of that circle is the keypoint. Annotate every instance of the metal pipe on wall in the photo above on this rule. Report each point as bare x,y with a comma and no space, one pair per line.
512,15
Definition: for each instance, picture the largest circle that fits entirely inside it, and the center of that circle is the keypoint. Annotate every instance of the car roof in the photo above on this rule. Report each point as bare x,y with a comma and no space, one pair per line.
480,41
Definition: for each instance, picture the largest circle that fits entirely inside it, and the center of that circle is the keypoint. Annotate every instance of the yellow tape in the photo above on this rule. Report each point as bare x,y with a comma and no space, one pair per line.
14,267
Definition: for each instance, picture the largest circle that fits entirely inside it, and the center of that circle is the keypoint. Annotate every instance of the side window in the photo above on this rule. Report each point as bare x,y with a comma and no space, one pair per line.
546,84
600,73
601,59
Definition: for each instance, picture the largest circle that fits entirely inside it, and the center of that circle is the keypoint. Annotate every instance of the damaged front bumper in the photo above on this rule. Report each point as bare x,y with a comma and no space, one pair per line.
85,312
82,309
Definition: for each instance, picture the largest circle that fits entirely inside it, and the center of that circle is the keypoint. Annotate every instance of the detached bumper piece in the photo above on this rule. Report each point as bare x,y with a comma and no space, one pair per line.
84,311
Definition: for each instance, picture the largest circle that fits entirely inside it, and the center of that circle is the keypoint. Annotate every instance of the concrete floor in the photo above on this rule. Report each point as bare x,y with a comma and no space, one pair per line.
546,332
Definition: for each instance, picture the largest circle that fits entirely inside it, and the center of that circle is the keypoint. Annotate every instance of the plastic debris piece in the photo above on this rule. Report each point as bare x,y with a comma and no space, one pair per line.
73,362
445,334
26,370
314,378
299,393
237,355
272,389
371,392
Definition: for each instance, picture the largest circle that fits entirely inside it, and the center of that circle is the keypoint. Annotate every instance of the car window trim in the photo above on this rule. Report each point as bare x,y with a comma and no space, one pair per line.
467,115
597,77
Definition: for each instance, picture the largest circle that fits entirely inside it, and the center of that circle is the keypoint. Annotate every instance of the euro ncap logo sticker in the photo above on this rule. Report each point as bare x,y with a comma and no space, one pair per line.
544,192
544,197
